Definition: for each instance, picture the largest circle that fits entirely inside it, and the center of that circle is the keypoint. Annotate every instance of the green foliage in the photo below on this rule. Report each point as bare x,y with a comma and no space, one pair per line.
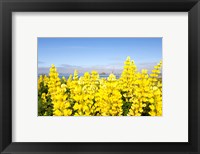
146,109
126,106
44,109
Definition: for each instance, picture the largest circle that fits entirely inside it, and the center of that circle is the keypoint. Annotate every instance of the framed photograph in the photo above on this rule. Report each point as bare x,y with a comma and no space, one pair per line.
99,76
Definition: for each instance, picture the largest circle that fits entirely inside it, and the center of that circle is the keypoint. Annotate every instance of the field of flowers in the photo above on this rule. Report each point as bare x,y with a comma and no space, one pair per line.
133,94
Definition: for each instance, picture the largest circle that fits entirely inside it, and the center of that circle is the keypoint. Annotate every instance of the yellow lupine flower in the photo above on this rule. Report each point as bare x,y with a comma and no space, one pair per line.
133,94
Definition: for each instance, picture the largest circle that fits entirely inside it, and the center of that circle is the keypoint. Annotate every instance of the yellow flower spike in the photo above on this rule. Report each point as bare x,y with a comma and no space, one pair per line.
67,105
151,100
144,71
43,97
75,77
58,113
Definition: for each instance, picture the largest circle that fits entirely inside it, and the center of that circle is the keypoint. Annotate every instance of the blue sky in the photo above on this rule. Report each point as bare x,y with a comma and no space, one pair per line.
105,54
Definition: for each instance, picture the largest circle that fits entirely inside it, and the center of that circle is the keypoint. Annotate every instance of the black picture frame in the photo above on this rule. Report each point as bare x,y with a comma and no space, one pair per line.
9,6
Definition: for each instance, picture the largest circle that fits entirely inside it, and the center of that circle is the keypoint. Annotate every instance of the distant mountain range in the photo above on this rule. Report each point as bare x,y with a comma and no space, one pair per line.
61,70
103,70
